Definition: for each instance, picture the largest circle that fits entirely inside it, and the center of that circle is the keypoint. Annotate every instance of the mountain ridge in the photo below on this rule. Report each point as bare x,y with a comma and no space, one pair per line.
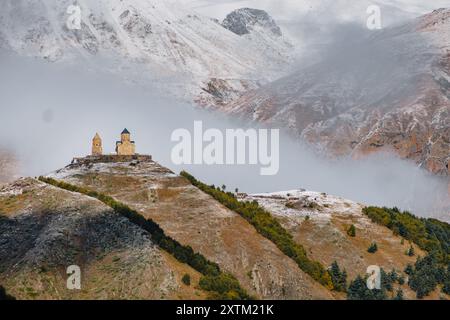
389,92
191,217
165,39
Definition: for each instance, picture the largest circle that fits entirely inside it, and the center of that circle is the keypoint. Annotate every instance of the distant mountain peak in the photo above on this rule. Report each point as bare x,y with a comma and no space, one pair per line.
245,20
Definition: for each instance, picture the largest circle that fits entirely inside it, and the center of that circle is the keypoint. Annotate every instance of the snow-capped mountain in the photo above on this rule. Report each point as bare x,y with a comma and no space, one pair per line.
390,90
246,21
162,38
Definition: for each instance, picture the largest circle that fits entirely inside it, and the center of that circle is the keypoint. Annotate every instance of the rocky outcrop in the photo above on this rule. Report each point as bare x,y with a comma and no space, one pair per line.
246,20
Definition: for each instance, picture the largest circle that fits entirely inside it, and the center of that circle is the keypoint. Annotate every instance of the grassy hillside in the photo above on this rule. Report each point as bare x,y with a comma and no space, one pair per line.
45,229
268,227
431,235
428,234
222,285
193,218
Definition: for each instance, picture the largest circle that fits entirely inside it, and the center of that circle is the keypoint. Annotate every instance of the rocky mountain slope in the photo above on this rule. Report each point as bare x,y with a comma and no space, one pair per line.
44,229
321,222
190,55
246,21
195,219
389,91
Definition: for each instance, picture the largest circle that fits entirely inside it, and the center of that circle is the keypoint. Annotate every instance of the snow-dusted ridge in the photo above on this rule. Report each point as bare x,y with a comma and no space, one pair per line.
302,203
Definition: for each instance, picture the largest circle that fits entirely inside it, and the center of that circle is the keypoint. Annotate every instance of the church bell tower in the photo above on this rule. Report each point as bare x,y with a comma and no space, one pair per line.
97,148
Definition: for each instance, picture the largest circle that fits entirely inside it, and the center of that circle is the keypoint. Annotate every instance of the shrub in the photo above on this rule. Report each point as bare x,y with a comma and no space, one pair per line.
372,248
4,295
399,295
409,270
351,231
186,279
290,205
225,286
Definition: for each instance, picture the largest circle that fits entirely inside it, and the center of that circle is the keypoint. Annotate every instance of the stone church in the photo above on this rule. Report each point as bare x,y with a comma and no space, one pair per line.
125,152
124,147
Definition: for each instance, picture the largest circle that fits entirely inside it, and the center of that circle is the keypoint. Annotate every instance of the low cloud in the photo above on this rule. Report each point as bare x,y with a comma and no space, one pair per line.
50,112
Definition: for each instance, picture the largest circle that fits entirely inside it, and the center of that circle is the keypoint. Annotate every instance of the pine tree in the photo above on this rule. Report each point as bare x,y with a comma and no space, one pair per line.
372,248
186,279
4,295
411,251
338,277
399,295
409,270
351,231
357,290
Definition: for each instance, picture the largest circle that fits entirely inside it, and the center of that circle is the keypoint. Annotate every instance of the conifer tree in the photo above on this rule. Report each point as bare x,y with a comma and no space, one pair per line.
351,231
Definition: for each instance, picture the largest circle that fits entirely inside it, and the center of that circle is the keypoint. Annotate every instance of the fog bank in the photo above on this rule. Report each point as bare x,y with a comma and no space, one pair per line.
50,112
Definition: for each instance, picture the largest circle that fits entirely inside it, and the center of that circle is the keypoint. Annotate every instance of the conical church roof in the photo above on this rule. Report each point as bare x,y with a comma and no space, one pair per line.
97,137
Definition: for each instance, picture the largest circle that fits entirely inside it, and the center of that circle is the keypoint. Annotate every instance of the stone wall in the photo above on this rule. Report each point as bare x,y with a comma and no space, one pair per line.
112,158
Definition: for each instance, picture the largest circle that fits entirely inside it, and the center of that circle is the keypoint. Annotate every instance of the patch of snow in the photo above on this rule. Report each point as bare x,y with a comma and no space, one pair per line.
318,206
11,190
